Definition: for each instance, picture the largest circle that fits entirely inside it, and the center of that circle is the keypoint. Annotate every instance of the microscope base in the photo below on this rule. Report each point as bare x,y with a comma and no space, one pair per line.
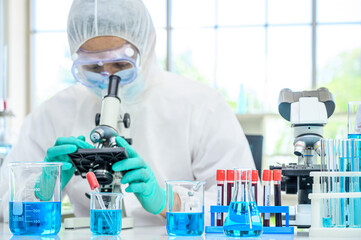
303,215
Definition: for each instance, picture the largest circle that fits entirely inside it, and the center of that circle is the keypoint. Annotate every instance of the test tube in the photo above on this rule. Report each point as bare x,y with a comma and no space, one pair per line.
266,177
230,183
221,177
277,177
254,185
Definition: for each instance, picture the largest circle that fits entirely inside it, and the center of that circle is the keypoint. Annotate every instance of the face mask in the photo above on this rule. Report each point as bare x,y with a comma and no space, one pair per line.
131,91
128,91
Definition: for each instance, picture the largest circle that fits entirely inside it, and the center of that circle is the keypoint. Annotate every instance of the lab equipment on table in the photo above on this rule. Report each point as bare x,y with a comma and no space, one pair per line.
105,216
277,177
221,177
105,213
187,217
266,182
243,219
35,198
354,119
336,196
230,185
308,112
255,185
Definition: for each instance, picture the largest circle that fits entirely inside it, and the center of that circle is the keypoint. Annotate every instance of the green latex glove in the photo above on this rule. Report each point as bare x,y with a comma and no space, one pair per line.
58,153
141,180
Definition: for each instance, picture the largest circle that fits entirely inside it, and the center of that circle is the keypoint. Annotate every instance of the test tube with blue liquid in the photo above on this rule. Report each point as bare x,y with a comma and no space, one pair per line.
354,132
243,218
185,208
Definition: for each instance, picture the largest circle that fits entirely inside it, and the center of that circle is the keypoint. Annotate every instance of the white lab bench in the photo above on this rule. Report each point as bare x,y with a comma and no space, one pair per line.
138,233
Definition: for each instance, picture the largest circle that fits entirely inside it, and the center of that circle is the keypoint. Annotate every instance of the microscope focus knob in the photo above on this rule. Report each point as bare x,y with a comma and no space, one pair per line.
97,119
126,120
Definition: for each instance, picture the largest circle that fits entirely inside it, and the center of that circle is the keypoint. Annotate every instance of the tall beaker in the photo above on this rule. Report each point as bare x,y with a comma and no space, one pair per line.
185,208
35,198
243,219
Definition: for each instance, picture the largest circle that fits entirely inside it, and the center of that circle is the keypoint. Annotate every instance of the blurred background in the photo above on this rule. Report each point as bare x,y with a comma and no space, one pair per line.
247,49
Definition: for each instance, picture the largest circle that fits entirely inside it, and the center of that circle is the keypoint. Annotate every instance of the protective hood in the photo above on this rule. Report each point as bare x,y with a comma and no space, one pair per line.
127,19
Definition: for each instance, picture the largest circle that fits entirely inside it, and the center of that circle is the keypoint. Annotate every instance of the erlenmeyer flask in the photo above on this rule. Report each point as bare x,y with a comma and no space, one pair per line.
243,219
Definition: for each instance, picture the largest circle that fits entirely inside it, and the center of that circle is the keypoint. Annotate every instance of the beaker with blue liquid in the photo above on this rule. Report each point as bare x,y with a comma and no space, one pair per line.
243,218
35,198
185,208
105,213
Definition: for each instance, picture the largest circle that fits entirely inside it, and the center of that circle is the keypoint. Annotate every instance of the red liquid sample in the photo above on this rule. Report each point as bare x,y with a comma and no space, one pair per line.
277,196
254,188
229,192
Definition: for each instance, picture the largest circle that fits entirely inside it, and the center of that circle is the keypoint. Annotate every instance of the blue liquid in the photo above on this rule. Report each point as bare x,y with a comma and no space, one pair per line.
327,222
185,224
243,220
357,136
106,222
357,187
34,218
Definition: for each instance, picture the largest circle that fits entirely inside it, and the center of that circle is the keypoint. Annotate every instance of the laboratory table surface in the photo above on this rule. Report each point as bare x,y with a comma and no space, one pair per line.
141,233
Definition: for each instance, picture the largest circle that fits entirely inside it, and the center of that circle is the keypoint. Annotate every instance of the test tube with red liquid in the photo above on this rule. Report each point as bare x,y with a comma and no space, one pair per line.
277,177
230,183
254,185
266,182
221,177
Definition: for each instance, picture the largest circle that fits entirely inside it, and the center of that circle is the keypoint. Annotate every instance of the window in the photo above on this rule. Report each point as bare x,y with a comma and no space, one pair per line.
248,49
3,61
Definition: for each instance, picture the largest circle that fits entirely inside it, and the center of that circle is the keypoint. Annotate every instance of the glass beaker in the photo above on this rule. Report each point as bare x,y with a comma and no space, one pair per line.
185,208
35,198
354,119
243,219
105,213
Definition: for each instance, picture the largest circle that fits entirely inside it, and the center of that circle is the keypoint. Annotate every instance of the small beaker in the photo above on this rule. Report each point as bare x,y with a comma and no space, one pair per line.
35,198
185,208
105,213
243,219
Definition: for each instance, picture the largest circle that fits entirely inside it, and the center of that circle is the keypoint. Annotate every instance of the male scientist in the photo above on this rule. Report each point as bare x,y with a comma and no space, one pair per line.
181,129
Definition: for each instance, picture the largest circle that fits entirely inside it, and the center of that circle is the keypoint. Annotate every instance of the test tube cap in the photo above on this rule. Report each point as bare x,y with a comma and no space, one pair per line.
230,175
92,180
245,175
266,176
221,175
277,175
255,175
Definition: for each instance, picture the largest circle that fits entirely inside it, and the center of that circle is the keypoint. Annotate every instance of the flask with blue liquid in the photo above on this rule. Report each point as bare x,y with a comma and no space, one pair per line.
243,218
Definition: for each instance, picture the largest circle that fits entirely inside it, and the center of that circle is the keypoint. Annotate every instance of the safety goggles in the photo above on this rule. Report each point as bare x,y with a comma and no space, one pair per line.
94,68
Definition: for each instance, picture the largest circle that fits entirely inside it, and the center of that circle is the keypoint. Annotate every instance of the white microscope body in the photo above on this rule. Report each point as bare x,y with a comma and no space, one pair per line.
308,112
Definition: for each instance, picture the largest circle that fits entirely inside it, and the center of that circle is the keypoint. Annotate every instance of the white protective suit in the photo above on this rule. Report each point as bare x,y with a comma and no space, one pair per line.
181,128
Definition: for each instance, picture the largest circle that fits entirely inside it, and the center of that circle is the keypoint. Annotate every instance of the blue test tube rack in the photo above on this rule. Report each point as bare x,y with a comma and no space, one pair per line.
262,209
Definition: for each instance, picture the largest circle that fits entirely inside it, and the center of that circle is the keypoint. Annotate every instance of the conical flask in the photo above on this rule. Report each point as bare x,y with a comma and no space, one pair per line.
243,219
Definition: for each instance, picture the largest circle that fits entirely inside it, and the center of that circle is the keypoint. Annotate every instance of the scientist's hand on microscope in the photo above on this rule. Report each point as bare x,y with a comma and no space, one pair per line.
58,153
141,179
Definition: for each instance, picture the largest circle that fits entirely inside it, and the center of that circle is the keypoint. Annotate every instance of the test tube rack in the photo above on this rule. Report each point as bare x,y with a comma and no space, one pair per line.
317,199
262,209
